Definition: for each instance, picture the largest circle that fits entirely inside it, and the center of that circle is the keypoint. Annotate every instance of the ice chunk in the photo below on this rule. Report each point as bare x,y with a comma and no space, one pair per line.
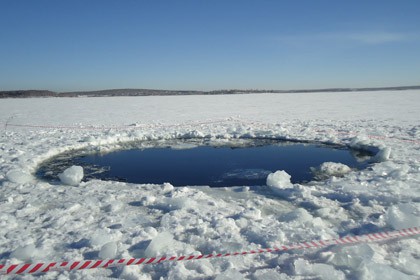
279,180
269,274
353,256
24,253
400,172
253,214
249,174
176,203
99,237
383,272
148,200
108,250
167,187
361,142
18,176
323,271
298,215
382,155
72,176
230,274
162,241
402,216
134,272
328,169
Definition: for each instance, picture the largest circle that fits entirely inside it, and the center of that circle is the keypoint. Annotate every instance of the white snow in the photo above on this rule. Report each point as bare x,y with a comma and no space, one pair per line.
72,176
42,221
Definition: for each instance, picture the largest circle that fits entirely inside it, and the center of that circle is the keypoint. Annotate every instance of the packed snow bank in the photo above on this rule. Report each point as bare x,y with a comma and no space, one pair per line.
72,176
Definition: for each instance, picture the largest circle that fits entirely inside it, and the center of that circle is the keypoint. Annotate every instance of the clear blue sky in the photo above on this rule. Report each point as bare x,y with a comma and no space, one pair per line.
197,44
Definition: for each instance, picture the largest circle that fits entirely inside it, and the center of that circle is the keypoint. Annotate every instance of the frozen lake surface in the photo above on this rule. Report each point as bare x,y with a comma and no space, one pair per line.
214,163
42,221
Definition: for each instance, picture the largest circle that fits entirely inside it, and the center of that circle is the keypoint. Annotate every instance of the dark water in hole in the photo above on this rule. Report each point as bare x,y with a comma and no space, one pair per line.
204,162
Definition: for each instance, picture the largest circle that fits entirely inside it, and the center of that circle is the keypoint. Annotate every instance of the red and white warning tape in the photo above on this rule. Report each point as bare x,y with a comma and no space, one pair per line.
90,264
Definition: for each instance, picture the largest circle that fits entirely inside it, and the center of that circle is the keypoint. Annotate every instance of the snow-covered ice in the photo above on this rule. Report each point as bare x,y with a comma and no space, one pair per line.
42,222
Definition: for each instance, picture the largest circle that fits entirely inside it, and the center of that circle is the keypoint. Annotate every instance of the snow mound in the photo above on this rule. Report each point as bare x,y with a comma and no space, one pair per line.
278,181
329,169
18,177
72,176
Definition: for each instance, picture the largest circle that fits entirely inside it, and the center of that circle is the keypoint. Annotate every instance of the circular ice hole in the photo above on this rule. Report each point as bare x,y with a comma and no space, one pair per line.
210,162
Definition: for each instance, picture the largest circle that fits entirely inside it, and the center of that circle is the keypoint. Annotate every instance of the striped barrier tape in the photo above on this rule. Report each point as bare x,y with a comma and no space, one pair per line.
91,264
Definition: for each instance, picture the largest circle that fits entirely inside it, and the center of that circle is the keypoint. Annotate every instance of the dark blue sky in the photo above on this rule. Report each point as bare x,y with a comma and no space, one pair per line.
87,45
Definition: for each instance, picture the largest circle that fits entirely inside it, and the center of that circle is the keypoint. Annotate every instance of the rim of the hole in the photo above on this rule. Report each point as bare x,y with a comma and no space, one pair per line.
134,144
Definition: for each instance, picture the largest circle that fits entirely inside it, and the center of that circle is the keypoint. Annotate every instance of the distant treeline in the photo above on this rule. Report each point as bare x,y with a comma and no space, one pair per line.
156,92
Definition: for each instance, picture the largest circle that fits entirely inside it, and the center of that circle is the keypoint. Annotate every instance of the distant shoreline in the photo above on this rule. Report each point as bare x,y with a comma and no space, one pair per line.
157,92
